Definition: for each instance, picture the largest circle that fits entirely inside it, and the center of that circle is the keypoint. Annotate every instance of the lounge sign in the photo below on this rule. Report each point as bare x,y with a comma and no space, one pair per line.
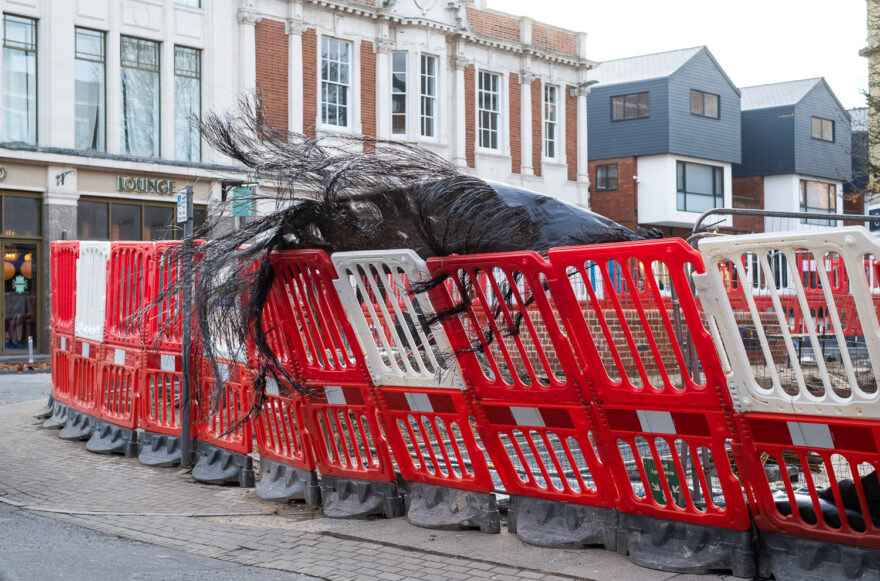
144,185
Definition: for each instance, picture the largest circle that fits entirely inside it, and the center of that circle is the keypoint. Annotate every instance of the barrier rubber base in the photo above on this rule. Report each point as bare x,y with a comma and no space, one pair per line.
681,547
46,411
79,426
787,557
109,438
562,525
58,417
218,466
159,450
440,507
352,498
283,483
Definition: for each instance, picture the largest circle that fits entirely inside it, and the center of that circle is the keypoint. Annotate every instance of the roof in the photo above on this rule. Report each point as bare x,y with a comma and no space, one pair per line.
776,94
639,68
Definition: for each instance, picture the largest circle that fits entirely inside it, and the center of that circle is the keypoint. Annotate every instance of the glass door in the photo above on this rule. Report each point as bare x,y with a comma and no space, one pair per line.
20,304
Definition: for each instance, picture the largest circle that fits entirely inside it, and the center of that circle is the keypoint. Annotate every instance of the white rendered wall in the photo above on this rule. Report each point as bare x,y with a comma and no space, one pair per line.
782,193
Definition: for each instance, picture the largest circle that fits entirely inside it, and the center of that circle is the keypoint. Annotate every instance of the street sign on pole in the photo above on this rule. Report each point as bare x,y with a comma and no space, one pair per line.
185,210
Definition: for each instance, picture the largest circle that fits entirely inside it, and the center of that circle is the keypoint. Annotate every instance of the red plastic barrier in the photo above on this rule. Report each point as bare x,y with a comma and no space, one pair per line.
62,265
222,422
162,324
280,428
128,292
119,384
531,412
85,364
665,430
322,352
62,368
160,393
828,464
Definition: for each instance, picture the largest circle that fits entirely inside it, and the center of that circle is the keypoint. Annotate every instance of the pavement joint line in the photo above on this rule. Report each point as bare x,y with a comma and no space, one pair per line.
37,508
345,537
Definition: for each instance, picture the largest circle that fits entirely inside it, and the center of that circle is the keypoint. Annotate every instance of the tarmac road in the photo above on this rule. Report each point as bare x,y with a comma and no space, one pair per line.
25,386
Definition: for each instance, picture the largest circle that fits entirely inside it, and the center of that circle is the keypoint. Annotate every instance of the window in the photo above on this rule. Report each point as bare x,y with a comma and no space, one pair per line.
140,96
187,103
704,104
634,106
398,93
818,197
335,67
89,93
428,91
189,3
488,107
23,216
551,115
606,177
700,187
823,129
19,79
127,220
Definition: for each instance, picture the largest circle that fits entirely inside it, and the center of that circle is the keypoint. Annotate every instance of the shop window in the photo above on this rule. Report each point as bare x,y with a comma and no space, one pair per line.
91,220
159,223
22,216
125,222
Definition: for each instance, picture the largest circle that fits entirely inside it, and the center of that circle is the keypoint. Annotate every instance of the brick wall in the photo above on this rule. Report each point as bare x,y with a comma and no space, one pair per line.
271,61
470,131
515,123
310,81
571,136
748,192
493,24
537,126
368,93
621,205
553,39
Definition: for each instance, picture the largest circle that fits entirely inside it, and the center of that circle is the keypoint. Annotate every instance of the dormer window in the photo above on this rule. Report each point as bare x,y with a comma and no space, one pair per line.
633,106
823,129
704,104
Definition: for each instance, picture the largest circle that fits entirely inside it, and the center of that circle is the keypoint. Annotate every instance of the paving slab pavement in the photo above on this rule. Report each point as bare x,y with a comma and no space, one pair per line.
166,507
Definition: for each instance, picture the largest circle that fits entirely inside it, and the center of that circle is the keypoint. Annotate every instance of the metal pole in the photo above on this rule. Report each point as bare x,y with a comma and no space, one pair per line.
186,442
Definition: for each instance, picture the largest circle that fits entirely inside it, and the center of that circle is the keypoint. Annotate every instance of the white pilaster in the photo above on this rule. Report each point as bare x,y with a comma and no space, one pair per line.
247,20
56,128
525,115
459,141
383,45
583,169
166,91
114,80
295,27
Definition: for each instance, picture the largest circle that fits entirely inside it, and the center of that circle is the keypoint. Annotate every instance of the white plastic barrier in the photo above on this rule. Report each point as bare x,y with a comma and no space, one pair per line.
397,348
819,367
91,290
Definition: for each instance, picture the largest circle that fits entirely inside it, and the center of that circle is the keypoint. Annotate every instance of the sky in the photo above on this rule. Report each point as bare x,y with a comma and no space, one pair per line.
754,41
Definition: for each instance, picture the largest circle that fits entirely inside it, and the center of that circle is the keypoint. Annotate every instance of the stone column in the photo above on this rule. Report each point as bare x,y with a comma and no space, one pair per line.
459,140
247,19
294,27
525,116
384,46
59,223
583,168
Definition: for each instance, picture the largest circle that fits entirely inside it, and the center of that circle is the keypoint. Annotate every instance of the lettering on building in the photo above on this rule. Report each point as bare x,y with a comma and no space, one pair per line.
144,185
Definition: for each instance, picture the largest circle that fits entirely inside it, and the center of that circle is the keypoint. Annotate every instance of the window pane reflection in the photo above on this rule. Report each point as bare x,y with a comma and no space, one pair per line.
125,222
91,220
159,223
22,216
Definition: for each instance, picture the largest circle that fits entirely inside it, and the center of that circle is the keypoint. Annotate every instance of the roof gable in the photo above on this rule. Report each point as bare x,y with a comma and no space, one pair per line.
643,67
776,94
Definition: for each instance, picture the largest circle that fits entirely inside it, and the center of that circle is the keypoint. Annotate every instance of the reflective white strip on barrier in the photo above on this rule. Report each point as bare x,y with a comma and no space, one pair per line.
64,343
810,435
656,422
119,357
334,395
85,350
839,377
271,386
91,290
167,363
525,416
419,402
397,349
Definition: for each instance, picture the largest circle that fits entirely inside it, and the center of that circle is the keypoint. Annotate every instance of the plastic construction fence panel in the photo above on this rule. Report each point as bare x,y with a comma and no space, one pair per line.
280,428
91,287
119,385
819,368
400,349
635,347
508,337
675,464
162,325
62,368
128,292
160,393
62,258
322,352
815,477
85,363
222,418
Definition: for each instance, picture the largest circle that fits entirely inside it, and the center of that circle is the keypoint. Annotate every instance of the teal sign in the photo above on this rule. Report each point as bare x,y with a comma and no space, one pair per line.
242,200
19,284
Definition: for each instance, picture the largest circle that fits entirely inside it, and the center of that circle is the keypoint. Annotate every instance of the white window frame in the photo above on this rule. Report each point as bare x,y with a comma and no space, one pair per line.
350,104
548,123
424,97
499,121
